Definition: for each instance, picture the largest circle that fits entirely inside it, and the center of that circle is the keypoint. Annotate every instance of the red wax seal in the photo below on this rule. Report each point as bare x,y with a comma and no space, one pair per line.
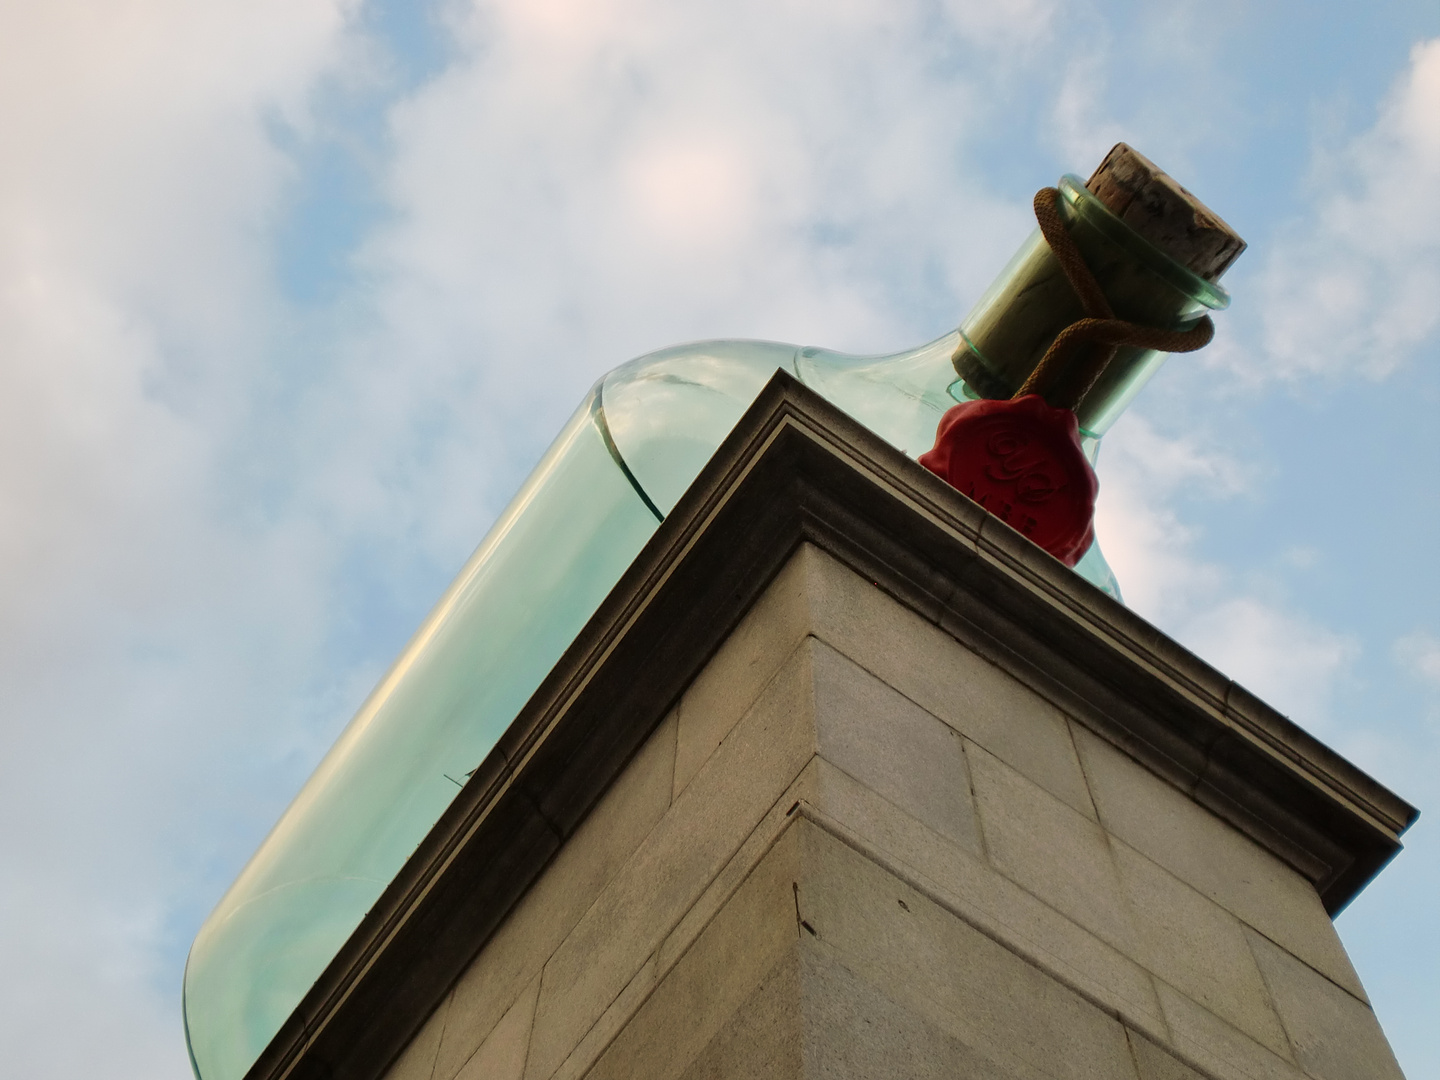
1021,460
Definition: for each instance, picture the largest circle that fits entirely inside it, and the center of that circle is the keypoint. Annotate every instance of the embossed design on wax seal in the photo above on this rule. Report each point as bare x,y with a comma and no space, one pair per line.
1021,461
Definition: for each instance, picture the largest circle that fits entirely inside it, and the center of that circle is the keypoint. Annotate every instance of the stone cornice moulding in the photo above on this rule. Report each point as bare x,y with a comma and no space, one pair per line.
797,470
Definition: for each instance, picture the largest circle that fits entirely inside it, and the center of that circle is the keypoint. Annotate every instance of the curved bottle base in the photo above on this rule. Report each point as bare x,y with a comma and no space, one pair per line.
291,933
540,573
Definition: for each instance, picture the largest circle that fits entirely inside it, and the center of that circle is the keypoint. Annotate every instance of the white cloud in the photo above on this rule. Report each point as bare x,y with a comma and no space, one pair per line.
582,186
183,486
586,157
1143,535
1419,654
136,303
1353,289
1284,657
696,195
190,497
1081,124
1288,660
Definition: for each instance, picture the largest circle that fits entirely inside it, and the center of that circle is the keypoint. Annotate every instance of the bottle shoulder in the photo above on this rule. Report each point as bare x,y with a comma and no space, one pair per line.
727,368
667,411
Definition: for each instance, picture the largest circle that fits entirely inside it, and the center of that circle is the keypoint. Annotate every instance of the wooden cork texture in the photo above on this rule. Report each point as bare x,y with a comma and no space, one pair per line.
1152,203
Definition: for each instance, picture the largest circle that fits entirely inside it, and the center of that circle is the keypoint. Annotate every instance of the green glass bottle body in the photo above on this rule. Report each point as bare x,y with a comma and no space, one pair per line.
617,467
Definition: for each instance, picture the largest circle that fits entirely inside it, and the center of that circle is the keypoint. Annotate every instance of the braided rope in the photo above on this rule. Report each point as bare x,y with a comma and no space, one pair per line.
1100,327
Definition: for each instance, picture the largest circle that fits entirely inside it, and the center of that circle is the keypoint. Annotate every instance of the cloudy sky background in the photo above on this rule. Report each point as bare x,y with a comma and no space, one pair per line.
294,292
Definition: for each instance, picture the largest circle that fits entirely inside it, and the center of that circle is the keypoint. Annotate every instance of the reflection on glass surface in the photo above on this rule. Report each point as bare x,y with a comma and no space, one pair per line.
620,463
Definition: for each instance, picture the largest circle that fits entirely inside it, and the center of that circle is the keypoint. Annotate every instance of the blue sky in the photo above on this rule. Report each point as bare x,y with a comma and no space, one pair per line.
294,292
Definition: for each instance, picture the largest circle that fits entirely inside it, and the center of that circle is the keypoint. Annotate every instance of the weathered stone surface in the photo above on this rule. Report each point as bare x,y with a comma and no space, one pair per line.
735,871
720,971
945,678
762,1041
739,670
662,940
1155,1063
718,809
893,747
502,1055
988,900
610,1023
928,961
1219,1048
1170,828
1335,1035
608,837
1025,954
1197,947
971,922
695,921
852,1031
1047,848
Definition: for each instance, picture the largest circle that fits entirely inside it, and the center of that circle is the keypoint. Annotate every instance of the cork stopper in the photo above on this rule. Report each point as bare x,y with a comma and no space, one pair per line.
1147,199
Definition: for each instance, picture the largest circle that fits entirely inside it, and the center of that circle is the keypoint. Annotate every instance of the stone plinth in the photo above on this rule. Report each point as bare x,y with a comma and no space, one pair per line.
846,779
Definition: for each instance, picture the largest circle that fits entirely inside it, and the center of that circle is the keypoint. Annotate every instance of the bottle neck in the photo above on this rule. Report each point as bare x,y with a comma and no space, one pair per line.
1031,302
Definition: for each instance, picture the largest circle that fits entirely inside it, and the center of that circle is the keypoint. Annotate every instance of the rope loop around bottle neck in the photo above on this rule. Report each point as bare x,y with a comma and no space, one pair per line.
1100,327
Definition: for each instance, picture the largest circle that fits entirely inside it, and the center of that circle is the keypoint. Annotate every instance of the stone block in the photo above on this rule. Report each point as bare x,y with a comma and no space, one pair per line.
607,837
694,922
724,966
1050,850
502,1055
762,1040
1335,1035
894,747
935,965
1155,1063
1197,947
944,677
709,821
734,873
748,659
986,899
852,1031
610,1023
1170,828
1219,1048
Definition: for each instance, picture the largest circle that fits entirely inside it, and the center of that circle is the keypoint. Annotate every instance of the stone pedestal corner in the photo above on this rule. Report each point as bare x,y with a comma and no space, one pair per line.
846,779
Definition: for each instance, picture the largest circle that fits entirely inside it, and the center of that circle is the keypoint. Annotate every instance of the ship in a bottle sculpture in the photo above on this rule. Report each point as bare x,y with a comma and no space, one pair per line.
1009,408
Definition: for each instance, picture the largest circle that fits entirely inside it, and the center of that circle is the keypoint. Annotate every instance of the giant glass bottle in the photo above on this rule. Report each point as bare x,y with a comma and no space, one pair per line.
617,467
